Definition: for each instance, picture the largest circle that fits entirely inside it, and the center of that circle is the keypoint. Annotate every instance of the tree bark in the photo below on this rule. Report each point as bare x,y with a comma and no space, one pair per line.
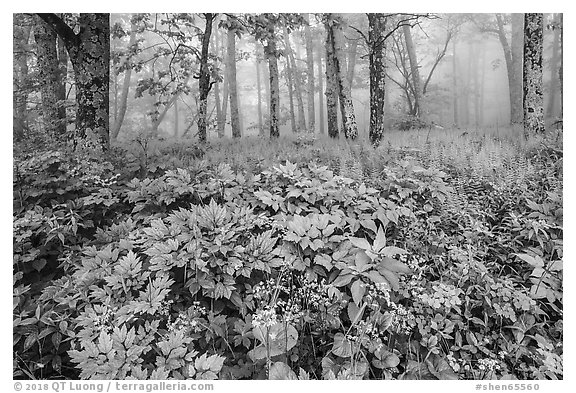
377,59
271,54
532,77
176,119
550,109
259,91
351,62
301,125
125,90
332,88
232,84
345,97
321,93
289,84
414,70
20,77
454,86
517,42
310,75
89,52
48,78
204,79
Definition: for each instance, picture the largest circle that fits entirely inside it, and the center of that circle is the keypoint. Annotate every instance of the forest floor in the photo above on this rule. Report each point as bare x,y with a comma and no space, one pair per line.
437,255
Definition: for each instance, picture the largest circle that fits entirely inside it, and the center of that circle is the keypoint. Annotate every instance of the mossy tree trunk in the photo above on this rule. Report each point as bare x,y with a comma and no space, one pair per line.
377,58
310,75
532,76
89,52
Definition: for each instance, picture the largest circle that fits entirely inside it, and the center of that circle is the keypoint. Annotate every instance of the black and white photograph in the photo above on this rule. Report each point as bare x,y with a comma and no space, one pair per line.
286,196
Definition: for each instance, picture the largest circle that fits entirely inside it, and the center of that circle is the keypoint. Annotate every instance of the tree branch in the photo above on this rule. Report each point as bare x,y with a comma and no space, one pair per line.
61,28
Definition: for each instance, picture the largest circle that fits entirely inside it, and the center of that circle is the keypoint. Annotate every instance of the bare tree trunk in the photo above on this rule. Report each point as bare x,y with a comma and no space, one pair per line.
482,83
454,86
517,43
176,120
62,75
550,109
321,94
476,80
204,80
125,90
259,89
20,77
561,68
532,77
415,71
345,97
217,99
301,125
271,54
310,75
289,84
232,85
351,63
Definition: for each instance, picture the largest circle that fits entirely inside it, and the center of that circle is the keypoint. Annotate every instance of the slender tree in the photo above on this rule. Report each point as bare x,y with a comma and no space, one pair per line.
290,86
377,58
532,76
414,70
121,112
321,94
454,86
550,108
232,83
259,93
309,74
293,67
204,77
89,52
22,30
336,39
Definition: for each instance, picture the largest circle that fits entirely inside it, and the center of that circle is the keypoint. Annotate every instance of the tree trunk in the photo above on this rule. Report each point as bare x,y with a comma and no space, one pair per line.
331,84
259,90
62,75
454,86
532,77
377,59
204,79
20,77
482,84
89,52
217,100
301,125
176,120
352,52
561,68
271,54
232,84
310,75
414,70
321,94
517,42
476,80
550,109
289,84
125,90
345,97
48,72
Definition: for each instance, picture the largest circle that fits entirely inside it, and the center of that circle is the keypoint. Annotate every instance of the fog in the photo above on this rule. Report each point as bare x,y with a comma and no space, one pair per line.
461,60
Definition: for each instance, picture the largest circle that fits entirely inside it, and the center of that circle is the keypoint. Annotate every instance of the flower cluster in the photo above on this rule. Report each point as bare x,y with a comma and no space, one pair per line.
488,365
265,317
189,321
103,318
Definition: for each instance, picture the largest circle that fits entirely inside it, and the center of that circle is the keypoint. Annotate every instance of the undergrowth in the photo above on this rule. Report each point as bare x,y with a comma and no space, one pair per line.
431,257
